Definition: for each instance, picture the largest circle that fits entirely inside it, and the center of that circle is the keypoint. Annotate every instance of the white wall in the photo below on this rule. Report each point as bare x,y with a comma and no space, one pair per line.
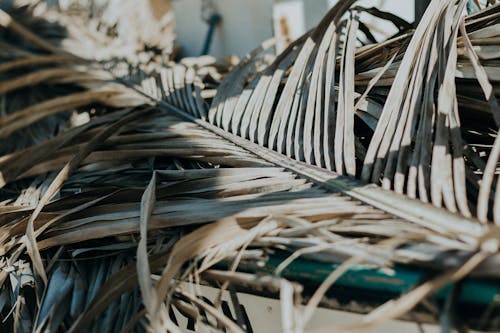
314,11
246,23
404,9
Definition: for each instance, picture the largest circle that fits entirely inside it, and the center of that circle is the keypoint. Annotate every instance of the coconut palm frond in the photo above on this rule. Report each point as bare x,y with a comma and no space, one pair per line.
156,180
334,110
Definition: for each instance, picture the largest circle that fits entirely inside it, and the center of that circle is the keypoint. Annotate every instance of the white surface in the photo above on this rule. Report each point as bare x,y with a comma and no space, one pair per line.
404,9
265,316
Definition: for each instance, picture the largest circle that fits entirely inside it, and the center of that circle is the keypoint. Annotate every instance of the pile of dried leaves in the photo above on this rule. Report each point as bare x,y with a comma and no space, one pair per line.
119,182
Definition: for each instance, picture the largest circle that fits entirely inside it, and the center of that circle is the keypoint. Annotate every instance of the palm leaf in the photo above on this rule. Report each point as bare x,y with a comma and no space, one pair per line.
260,169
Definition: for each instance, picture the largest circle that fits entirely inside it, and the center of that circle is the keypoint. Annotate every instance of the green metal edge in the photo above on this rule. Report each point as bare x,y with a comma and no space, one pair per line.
396,280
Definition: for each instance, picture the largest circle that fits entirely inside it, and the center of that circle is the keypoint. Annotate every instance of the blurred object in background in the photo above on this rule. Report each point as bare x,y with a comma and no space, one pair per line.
119,28
288,22
245,24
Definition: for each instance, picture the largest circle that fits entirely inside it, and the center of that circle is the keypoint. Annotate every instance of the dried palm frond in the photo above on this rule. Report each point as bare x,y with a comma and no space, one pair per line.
333,110
165,181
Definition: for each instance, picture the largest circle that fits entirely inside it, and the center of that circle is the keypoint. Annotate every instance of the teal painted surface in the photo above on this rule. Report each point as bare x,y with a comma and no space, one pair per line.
397,280
475,291
471,7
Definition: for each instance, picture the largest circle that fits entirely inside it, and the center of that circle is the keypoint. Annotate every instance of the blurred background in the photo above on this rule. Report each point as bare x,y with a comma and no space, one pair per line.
186,28
245,24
